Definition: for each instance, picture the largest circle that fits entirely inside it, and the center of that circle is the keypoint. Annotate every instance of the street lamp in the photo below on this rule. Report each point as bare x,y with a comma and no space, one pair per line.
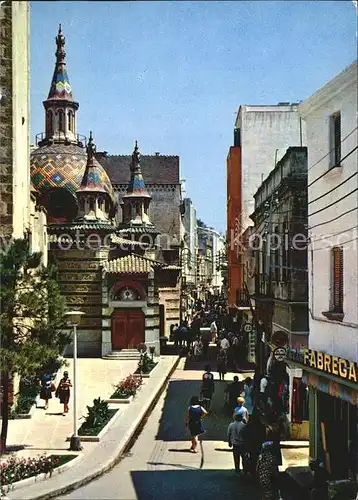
74,318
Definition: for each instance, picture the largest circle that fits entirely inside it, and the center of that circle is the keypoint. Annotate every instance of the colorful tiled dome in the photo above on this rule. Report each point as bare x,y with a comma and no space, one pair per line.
63,166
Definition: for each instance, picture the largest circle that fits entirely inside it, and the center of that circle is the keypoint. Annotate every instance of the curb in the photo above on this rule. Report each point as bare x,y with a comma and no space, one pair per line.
120,401
122,449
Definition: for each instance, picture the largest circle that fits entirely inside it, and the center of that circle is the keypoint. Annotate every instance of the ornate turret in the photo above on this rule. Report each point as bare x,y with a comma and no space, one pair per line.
135,203
59,105
95,201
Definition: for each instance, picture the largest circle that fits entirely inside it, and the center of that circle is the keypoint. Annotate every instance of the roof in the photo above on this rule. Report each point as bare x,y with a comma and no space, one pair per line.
94,179
171,267
156,169
118,240
129,264
136,187
60,84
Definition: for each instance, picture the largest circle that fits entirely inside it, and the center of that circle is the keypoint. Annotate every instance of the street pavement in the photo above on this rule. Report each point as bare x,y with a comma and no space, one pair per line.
47,430
160,464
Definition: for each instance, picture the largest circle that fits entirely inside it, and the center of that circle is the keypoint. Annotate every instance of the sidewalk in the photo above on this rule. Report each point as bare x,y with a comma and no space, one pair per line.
98,458
47,430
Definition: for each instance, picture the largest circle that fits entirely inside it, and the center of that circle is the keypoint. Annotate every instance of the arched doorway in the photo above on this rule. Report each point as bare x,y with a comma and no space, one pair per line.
128,328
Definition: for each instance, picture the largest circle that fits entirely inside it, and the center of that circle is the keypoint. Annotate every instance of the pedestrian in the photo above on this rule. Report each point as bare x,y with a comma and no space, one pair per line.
176,335
268,473
255,436
197,349
193,420
213,330
47,387
63,392
247,394
222,364
234,391
242,409
235,437
224,344
207,388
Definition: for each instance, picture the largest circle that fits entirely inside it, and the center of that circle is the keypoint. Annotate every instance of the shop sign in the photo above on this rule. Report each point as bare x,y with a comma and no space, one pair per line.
279,353
247,328
332,365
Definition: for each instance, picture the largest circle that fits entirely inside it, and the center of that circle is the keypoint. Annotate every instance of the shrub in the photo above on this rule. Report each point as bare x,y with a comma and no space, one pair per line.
147,364
17,468
24,404
127,387
98,414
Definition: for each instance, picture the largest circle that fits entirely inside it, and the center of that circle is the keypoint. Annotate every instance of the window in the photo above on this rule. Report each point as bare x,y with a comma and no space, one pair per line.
285,244
276,255
70,121
49,122
337,280
335,139
61,121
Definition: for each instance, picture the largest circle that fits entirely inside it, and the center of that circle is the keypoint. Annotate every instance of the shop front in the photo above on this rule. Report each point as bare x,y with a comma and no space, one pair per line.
333,400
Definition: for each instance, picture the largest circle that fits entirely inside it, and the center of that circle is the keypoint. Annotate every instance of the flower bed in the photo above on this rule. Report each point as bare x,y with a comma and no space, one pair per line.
94,431
127,388
16,469
147,368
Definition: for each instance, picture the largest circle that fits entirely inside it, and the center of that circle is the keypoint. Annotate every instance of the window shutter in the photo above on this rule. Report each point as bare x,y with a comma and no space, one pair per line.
337,139
337,279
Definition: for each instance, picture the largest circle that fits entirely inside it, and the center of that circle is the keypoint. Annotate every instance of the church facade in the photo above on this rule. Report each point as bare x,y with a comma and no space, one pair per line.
108,250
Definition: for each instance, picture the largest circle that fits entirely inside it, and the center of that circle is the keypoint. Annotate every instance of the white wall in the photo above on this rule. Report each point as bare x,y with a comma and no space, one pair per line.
340,94
21,117
264,129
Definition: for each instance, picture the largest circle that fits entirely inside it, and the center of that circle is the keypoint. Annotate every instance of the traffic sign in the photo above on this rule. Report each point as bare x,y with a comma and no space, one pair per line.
279,353
247,328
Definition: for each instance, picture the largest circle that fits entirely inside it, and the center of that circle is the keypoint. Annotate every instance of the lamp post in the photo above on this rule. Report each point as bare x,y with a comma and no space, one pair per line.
74,318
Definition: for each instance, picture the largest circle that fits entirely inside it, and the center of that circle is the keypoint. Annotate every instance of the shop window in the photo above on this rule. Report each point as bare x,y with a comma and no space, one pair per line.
299,408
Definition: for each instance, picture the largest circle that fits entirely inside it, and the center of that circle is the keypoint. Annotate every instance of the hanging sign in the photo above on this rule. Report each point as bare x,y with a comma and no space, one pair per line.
279,354
247,328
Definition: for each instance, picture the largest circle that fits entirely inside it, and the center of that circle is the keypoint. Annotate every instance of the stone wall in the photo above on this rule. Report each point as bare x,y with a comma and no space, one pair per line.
170,298
80,279
6,125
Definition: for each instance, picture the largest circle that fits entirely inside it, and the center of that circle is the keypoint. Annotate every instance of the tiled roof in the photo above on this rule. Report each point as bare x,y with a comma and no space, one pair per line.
60,84
128,264
74,227
171,268
118,240
140,229
156,169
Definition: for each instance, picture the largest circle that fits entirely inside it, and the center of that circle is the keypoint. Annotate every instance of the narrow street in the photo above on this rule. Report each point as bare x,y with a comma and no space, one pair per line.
160,464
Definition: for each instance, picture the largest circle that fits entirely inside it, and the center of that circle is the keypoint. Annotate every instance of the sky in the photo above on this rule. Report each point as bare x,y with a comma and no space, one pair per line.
172,74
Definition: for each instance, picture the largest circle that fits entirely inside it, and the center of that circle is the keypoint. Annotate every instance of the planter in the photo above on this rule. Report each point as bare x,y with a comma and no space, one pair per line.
24,416
101,432
120,400
343,489
145,375
41,477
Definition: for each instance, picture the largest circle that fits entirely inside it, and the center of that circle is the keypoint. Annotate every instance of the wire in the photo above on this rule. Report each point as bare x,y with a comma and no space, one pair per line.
333,189
331,151
332,220
338,164
331,204
341,244
334,234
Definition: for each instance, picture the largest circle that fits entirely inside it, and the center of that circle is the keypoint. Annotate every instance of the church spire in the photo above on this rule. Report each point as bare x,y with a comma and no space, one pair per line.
137,187
59,105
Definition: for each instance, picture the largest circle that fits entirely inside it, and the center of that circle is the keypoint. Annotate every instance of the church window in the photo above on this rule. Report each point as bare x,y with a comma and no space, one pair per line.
82,204
70,121
137,208
61,121
91,204
133,210
49,122
100,203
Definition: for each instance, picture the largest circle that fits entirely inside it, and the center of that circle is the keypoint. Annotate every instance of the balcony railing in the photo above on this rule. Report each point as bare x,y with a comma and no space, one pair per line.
40,138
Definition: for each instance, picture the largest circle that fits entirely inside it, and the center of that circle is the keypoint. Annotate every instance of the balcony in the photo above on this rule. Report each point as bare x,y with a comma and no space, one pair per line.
243,300
41,140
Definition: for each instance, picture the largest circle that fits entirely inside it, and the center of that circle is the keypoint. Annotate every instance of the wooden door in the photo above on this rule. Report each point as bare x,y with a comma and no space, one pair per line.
127,329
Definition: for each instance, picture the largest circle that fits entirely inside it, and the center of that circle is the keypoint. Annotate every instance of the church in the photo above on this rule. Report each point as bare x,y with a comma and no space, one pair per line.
115,262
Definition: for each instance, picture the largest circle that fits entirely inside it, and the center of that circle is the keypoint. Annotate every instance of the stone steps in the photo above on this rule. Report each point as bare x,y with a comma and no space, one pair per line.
124,355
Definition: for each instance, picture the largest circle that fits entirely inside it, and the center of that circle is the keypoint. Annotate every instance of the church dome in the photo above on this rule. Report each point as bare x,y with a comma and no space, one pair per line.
60,167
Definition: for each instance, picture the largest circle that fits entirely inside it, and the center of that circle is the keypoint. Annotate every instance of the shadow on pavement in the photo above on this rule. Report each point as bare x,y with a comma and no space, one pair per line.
204,484
171,425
